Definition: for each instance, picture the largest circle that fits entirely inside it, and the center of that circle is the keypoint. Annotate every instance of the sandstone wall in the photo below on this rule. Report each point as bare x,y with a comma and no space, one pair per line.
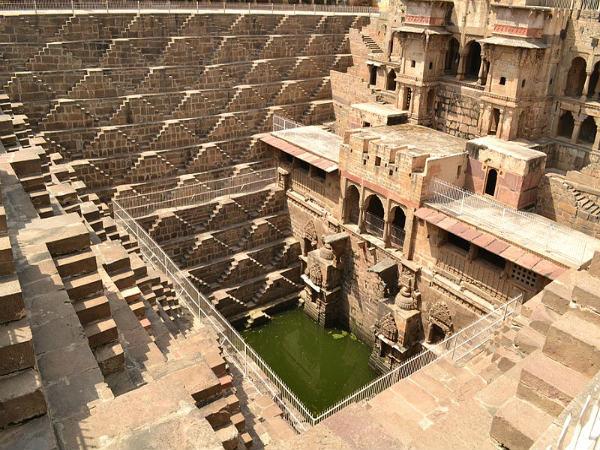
456,112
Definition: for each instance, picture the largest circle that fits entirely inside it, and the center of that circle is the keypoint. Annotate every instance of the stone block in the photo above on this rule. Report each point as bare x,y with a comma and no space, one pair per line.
548,384
92,309
517,424
76,263
574,341
83,286
586,292
12,306
101,332
6,257
16,347
556,297
21,397
110,358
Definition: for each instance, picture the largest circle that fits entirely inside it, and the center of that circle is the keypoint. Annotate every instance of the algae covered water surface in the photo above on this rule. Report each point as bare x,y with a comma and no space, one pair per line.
320,365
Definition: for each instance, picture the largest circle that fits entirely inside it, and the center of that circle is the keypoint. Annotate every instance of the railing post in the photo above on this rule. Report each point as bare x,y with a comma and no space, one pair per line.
198,6
454,347
73,6
35,6
107,6
223,5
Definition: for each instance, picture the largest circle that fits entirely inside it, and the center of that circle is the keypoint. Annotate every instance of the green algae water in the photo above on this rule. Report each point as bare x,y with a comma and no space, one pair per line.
321,366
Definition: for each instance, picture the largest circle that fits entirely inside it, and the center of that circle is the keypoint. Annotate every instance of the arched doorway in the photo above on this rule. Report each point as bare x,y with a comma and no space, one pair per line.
374,213
491,181
566,123
390,83
473,62
494,121
587,132
430,100
397,232
311,239
352,205
575,78
440,323
372,75
407,98
452,57
594,86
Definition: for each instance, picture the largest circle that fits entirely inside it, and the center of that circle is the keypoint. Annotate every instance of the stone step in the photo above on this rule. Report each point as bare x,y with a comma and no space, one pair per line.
132,294
246,440
7,266
527,340
139,309
239,421
76,263
517,424
91,309
21,397
548,384
40,198
12,306
229,437
124,279
110,358
219,412
72,237
586,292
16,347
574,341
101,332
83,286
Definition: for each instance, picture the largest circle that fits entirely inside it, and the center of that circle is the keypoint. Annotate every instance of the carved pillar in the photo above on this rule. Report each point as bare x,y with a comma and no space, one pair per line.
596,145
576,129
480,75
586,86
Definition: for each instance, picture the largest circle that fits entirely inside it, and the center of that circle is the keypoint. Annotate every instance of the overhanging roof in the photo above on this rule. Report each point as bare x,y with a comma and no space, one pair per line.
491,243
513,42
297,152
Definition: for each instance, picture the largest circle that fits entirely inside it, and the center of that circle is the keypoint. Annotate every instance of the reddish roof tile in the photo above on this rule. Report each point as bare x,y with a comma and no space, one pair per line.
497,246
300,153
423,213
528,260
483,239
512,253
447,223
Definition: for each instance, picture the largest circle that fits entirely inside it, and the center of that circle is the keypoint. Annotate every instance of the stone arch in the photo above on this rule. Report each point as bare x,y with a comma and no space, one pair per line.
473,60
352,207
575,78
587,132
452,56
390,81
311,239
491,182
397,226
594,86
440,322
372,75
566,123
374,215
430,100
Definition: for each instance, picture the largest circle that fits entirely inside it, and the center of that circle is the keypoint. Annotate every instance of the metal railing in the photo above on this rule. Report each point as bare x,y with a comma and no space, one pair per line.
565,4
281,123
397,235
180,6
583,431
304,183
373,225
543,233
141,204
456,347
234,346
593,5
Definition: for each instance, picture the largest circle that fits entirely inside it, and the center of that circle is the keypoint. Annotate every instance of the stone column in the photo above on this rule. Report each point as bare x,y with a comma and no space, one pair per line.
596,146
576,130
386,223
586,86
361,210
481,73
462,61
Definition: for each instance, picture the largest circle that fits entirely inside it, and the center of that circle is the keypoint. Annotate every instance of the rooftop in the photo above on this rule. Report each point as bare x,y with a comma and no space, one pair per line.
313,139
380,109
529,231
510,148
418,139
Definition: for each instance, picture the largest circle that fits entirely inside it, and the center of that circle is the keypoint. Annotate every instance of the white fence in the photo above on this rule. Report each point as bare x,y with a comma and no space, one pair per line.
236,349
281,123
581,432
455,347
141,204
565,4
544,233
181,6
